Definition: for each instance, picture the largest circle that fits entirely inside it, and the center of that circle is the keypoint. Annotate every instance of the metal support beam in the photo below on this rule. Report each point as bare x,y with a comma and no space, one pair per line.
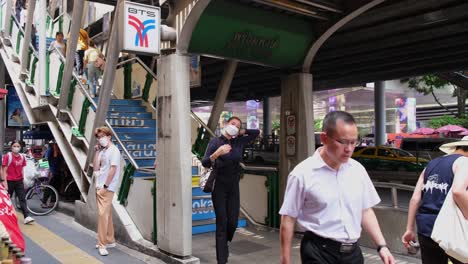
27,39
222,93
6,19
297,100
266,118
380,114
105,95
173,170
70,57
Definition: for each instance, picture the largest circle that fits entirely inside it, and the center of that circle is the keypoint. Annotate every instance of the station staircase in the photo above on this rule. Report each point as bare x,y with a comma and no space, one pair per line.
136,128
131,119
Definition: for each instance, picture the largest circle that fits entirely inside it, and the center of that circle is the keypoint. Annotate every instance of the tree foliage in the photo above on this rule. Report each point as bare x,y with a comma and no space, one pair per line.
448,120
427,84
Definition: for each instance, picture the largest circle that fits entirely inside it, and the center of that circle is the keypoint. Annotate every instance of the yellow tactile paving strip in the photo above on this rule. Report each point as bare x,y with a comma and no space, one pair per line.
56,246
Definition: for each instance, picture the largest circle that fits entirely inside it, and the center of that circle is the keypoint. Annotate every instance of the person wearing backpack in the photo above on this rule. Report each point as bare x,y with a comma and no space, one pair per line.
224,154
12,177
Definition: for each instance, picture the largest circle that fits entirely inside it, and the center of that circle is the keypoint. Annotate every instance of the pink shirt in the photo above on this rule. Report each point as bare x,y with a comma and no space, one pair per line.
329,202
15,170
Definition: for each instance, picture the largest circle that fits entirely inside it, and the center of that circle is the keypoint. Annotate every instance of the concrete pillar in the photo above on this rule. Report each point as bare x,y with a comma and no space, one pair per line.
380,114
222,93
296,100
70,57
27,39
173,188
42,48
105,95
2,106
266,118
6,31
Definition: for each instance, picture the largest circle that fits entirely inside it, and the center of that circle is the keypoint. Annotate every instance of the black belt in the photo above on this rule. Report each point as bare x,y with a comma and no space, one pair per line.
332,244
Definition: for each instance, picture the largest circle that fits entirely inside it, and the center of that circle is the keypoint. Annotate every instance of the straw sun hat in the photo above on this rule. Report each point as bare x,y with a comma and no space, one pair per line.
449,148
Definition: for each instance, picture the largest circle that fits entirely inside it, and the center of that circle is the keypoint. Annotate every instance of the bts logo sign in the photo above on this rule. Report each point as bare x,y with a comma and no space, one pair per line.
140,25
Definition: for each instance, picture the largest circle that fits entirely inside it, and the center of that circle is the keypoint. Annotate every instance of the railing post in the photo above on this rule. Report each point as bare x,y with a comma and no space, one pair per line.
128,80
7,21
70,58
394,197
27,39
147,87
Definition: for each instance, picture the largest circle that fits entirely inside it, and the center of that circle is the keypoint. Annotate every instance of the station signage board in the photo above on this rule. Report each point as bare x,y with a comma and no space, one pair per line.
140,28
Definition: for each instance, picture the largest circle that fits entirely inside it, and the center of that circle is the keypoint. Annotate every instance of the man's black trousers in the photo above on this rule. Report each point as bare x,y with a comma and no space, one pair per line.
317,250
226,204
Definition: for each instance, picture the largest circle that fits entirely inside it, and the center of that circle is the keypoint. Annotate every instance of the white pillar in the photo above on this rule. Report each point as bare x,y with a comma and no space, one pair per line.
173,170
297,100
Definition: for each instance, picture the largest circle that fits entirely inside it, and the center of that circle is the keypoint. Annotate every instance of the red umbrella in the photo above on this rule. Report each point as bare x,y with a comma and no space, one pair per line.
424,131
450,128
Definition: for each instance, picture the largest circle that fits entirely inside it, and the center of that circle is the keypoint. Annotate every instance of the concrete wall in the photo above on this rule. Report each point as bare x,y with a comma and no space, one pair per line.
140,206
254,196
393,224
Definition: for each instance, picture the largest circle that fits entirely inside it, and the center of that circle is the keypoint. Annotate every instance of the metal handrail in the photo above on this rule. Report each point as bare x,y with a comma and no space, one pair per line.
394,187
141,63
24,34
93,103
200,122
258,168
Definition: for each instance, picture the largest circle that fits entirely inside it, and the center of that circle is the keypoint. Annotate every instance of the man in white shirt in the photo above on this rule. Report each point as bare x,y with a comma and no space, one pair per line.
331,196
107,169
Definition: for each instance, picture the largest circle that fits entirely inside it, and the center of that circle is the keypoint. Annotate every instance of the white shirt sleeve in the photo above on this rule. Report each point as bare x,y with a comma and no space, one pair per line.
114,157
293,197
370,196
52,45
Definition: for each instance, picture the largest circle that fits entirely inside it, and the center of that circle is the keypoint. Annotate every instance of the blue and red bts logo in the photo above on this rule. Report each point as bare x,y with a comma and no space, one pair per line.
142,28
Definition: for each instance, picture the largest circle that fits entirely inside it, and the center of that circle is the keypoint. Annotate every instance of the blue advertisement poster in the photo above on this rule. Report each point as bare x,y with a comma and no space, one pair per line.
16,117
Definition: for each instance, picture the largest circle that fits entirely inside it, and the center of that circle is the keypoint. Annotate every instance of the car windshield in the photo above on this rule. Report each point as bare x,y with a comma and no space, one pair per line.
403,153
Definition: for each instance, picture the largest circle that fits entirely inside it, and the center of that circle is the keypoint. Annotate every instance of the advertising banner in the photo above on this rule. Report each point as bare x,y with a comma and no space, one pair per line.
406,115
16,117
140,28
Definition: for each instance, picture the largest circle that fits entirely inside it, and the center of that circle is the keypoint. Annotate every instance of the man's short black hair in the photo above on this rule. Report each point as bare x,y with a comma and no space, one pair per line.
329,122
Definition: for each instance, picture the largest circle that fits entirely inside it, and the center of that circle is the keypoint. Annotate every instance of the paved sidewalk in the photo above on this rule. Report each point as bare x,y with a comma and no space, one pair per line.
253,246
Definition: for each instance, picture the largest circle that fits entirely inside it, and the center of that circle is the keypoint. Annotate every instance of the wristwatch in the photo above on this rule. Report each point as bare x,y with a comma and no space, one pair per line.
379,247
105,186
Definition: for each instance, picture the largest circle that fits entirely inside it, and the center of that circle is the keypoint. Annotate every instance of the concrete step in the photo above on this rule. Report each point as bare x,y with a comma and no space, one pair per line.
143,144
131,122
127,102
129,115
136,130
209,225
127,108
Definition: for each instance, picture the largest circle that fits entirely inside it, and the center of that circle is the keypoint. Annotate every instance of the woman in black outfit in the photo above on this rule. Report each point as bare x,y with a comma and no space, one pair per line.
224,155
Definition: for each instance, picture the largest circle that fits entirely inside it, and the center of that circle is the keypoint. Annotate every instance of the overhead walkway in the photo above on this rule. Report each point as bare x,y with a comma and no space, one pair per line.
131,116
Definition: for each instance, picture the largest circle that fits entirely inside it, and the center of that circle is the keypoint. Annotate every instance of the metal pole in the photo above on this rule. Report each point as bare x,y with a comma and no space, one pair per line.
222,93
380,114
27,39
70,57
107,81
42,47
2,106
6,32
266,120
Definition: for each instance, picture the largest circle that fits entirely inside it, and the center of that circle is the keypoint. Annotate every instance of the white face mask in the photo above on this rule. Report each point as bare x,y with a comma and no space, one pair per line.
16,150
232,130
104,141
